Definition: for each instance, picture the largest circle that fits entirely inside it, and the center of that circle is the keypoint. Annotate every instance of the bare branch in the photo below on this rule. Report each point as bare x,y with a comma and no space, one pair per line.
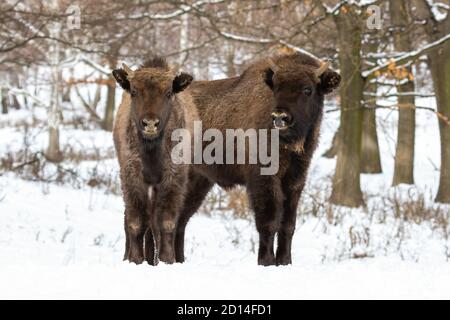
400,94
410,56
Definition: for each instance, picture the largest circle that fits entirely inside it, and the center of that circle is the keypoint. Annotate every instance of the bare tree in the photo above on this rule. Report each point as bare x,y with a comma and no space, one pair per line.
404,155
436,20
370,149
346,181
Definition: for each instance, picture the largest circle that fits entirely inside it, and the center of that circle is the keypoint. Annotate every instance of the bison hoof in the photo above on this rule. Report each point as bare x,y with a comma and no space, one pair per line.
136,260
266,261
167,258
284,261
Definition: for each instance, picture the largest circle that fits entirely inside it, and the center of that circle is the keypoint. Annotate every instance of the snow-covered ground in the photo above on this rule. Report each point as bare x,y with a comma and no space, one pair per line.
66,240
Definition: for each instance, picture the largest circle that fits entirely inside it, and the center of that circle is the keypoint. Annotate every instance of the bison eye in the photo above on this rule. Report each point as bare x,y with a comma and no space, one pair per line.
307,91
133,92
169,94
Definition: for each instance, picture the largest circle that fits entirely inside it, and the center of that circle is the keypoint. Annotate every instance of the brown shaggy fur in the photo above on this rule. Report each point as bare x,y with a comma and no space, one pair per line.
247,102
153,187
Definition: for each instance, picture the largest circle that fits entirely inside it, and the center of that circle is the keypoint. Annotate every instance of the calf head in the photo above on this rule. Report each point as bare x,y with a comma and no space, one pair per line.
152,91
299,91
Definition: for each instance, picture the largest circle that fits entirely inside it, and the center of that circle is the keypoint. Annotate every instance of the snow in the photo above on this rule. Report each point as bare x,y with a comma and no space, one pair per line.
438,9
63,240
56,242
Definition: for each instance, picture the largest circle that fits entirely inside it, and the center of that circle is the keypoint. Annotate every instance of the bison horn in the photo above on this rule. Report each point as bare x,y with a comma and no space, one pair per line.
272,65
127,70
323,67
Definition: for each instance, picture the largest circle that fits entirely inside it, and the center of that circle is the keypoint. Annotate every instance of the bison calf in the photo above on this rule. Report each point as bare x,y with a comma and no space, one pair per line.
153,105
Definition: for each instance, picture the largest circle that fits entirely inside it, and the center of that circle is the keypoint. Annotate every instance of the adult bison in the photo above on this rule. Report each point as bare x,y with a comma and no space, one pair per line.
285,92
153,106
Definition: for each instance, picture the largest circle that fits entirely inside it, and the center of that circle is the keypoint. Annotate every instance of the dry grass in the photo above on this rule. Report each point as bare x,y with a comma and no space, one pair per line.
33,166
386,225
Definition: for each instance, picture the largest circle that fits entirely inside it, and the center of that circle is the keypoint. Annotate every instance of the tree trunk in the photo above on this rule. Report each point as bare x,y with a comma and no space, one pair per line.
53,152
108,120
404,153
370,150
66,94
346,183
439,62
370,153
333,151
184,38
440,71
15,103
230,65
4,93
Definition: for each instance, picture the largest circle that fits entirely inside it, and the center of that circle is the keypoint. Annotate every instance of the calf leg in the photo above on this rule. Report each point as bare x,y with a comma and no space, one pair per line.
135,229
149,239
167,210
266,200
149,246
198,188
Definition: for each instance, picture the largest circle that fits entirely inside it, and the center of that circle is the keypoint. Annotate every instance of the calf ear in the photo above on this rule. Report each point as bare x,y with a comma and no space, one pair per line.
122,79
329,81
181,82
268,77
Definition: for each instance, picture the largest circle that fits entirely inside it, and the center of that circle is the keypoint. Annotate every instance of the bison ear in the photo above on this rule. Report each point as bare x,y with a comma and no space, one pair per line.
329,81
181,82
122,79
268,77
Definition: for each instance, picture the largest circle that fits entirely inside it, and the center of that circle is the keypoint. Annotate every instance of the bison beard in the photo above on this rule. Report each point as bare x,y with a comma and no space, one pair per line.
152,160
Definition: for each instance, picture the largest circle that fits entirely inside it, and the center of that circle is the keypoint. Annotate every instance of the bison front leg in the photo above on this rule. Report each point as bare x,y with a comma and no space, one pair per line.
293,183
149,246
135,228
127,239
167,210
287,228
266,199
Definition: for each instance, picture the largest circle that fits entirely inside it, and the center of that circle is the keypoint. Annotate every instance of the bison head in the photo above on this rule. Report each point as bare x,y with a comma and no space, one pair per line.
152,91
299,90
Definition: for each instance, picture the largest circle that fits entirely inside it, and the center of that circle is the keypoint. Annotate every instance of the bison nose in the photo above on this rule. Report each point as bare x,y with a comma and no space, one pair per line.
150,126
150,123
281,120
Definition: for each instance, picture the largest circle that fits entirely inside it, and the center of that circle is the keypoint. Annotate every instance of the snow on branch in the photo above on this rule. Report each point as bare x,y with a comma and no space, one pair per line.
234,37
18,92
440,115
400,94
410,56
359,3
398,106
184,9
231,36
335,9
96,66
435,9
